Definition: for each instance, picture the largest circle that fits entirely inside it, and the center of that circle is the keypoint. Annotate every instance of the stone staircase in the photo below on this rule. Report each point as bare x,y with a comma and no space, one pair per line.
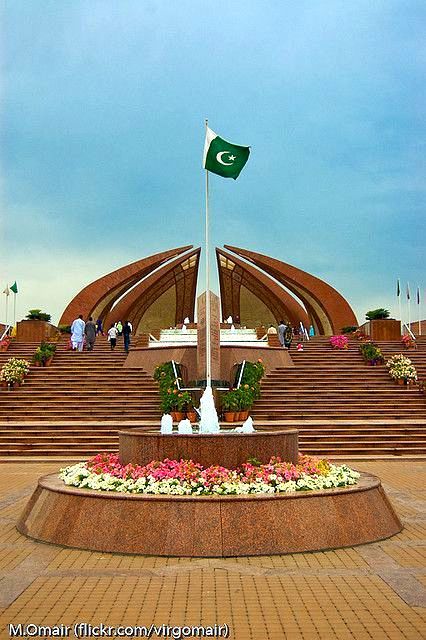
76,406
344,407
341,406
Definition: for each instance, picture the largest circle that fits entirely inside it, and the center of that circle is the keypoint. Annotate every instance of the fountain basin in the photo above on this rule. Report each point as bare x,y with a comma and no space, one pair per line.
208,526
227,449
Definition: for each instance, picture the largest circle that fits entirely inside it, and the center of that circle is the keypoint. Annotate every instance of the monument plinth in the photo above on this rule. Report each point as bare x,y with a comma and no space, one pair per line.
214,336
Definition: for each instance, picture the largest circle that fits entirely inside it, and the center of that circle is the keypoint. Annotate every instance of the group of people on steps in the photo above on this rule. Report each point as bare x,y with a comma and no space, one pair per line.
83,334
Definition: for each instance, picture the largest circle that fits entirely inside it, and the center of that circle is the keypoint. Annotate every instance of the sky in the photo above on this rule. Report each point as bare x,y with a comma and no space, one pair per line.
102,113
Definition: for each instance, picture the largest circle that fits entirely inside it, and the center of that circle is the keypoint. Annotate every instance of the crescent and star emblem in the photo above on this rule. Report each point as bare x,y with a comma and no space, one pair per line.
230,157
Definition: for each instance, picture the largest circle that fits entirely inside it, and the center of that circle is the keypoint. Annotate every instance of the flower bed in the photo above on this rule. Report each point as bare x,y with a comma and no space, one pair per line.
185,477
339,342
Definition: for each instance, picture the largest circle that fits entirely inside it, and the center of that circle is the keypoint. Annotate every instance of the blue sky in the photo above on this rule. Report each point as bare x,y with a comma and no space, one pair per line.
102,130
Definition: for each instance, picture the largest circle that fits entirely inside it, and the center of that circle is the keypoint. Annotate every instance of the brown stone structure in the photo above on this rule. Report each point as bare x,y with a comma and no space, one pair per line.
98,297
181,273
160,290
227,449
235,274
214,336
208,526
328,309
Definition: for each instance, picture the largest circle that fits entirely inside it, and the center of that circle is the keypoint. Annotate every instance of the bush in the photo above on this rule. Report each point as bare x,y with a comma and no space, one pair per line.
349,329
37,314
377,314
64,328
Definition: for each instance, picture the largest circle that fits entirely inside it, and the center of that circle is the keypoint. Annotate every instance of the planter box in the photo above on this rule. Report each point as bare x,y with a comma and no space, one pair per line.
36,331
382,329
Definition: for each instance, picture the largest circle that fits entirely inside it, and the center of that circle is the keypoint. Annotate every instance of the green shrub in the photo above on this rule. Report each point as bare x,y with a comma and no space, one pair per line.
37,314
349,329
377,314
371,353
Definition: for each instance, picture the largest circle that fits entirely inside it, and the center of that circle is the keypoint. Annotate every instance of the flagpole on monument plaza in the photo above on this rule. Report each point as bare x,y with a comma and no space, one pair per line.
208,341
419,311
7,300
398,295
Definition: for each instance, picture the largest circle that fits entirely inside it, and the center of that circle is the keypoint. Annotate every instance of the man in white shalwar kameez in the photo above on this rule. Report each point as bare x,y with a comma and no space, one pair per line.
77,333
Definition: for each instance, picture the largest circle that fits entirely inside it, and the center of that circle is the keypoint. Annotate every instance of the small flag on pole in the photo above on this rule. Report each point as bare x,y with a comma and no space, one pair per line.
222,157
398,289
408,291
7,291
14,287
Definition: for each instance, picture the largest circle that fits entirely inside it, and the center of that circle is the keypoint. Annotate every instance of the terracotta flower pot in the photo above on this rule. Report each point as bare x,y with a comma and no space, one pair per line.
229,416
244,415
177,415
401,381
48,362
192,416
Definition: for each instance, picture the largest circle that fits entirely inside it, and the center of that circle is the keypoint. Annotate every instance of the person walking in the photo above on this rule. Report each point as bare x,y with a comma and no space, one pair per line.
281,332
288,336
90,333
127,332
99,327
77,333
112,337
119,328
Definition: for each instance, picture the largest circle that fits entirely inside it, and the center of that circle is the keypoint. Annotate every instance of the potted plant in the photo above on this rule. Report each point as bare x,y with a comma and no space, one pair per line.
43,355
339,342
229,405
371,353
184,400
408,342
4,344
401,369
13,372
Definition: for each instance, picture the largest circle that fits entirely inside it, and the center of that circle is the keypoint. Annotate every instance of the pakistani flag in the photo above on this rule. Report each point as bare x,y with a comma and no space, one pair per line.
14,288
222,157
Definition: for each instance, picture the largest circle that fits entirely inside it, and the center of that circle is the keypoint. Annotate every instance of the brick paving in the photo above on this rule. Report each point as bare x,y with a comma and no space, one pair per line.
375,591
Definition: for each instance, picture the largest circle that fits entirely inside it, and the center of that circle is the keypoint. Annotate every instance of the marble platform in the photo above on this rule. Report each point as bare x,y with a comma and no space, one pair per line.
214,526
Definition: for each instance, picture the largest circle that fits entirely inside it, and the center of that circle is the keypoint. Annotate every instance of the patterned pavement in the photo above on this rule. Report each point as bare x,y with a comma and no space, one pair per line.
375,591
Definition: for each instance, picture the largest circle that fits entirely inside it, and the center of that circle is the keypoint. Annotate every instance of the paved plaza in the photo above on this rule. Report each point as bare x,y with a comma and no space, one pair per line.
372,591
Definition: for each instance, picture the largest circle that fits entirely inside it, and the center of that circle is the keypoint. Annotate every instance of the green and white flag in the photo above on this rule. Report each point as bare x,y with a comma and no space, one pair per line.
222,157
14,287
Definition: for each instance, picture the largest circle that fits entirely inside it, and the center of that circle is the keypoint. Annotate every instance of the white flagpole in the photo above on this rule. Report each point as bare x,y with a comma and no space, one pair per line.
409,305
208,342
14,309
418,309
400,309
7,300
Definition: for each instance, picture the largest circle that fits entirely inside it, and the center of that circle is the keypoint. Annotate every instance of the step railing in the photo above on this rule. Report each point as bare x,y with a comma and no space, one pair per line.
6,332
